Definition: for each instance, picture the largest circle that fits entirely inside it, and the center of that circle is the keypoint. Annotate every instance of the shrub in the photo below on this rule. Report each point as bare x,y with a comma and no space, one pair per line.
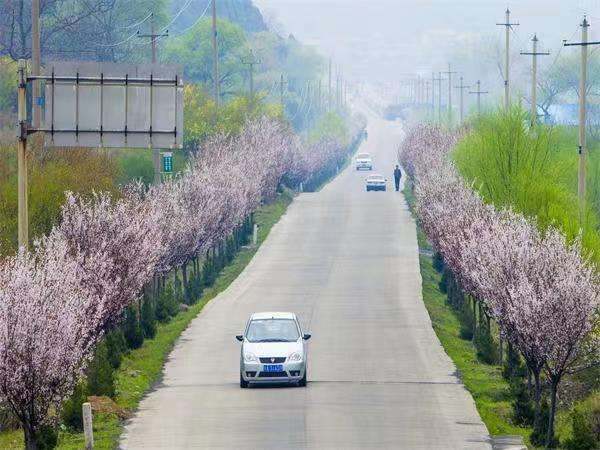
467,322
583,437
167,305
8,421
522,404
148,318
72,415
487,351
101,380
116,346
132,329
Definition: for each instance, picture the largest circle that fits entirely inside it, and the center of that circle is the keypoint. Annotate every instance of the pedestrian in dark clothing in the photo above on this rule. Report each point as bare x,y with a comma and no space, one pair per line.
397,177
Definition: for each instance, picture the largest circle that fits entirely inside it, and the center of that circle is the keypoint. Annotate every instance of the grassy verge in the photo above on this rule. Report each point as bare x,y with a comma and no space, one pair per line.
485,382
142,368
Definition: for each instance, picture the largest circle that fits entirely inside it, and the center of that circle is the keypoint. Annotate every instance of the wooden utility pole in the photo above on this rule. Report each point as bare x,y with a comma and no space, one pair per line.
462,88
153,36
508,26
215,47
23,219
534,54
330,86
479,93
282,84
251,61
439,80
449,73
36,62
584,44
432,95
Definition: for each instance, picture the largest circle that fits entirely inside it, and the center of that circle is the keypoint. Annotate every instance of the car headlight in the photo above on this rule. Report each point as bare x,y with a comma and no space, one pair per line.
250,357
295,357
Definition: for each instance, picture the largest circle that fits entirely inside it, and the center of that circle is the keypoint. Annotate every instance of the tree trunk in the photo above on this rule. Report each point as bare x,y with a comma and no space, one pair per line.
500,350
550,436
186,296
30,442
537,398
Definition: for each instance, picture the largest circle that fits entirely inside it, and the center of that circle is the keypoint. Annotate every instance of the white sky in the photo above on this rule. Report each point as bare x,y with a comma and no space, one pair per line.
381,39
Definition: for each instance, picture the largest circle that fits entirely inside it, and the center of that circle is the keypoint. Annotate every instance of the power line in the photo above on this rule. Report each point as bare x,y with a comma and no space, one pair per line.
137,24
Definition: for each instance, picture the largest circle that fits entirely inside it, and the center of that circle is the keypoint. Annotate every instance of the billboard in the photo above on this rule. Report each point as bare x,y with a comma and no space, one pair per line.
92,104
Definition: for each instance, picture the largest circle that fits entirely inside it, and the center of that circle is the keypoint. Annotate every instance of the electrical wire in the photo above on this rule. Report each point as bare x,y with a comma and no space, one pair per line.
185,30
137,24
176,16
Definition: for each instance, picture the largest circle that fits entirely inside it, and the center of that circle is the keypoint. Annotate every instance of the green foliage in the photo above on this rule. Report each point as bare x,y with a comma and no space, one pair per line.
583,437
540,433
532,171
8,84
136,165
193,51
72,414
116,346
201,120
331,125
47,438
148,318
132,329
487,352
522,404
167,304
100,373
50,175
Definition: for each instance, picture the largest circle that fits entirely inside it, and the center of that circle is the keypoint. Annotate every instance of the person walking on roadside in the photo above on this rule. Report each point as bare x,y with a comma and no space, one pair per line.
397,177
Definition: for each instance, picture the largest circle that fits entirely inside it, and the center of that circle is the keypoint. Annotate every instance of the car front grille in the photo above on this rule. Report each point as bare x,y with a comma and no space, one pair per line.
272,375
278,360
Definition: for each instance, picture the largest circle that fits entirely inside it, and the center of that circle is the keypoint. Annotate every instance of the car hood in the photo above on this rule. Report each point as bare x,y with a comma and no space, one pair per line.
278,349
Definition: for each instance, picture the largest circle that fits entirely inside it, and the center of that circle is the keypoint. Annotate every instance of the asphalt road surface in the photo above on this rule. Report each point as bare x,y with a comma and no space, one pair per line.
346,261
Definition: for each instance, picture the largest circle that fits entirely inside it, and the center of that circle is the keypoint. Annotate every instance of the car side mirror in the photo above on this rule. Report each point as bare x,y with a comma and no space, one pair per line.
240,338
306,337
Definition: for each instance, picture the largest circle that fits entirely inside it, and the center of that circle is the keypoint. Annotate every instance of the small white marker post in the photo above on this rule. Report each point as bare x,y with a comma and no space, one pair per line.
87,426
255,235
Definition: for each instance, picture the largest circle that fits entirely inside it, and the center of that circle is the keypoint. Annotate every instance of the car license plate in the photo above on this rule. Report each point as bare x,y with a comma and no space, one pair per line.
274,368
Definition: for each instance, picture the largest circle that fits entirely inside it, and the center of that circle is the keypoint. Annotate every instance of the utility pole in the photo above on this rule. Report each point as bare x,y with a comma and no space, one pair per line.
153,36
449,73
215,46
23,217
479,93
251,62
432,95
508,26
462,88
36,62
584,44
282,85
534,54
439,80
320,94
330,87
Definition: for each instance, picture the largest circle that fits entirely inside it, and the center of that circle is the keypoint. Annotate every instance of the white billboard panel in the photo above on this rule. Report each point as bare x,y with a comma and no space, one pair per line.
92,104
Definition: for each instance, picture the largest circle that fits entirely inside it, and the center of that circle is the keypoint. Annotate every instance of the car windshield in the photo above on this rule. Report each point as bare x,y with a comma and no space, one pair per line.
376,178
364,156
272,330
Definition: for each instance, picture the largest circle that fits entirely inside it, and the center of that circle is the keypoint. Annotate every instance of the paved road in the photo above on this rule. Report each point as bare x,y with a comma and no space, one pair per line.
346,262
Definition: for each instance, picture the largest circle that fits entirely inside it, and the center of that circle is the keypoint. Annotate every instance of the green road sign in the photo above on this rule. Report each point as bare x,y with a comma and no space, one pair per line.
168,162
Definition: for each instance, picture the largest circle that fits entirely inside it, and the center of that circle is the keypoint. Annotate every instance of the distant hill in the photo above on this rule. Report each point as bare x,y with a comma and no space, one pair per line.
240,12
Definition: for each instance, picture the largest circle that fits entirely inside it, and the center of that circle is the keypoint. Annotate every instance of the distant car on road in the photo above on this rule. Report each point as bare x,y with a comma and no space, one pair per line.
274,350
376,183
364,161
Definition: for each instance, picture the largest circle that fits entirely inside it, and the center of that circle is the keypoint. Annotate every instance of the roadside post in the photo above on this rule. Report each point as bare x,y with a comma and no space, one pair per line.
88,428
23,219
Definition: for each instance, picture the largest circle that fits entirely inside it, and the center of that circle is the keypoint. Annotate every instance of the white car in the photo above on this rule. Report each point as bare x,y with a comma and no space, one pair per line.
274,350
364,161
376,183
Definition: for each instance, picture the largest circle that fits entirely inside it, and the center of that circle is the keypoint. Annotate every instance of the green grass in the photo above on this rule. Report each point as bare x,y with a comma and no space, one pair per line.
142,368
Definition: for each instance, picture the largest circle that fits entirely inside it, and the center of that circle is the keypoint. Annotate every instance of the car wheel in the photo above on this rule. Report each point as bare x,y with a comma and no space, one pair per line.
302,382
243,383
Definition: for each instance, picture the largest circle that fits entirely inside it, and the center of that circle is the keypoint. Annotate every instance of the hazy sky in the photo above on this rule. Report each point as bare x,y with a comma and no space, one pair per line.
381,39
